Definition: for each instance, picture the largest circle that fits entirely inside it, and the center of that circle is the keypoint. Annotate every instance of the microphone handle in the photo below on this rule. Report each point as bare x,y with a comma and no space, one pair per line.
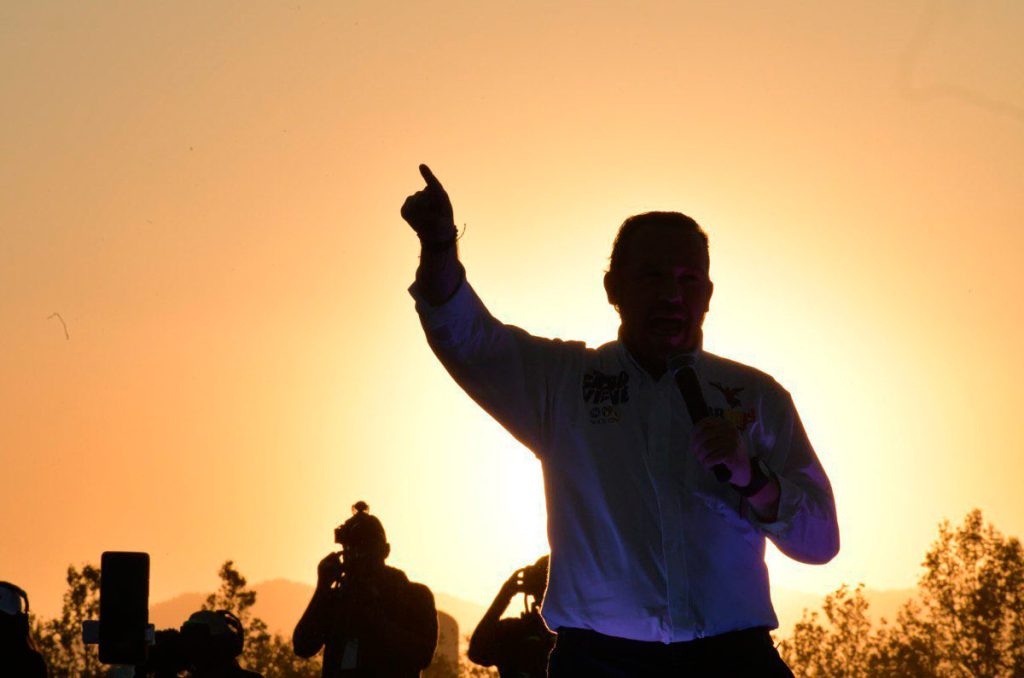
689,387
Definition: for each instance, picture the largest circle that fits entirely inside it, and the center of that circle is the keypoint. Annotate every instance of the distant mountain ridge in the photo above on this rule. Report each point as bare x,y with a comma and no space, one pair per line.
280,603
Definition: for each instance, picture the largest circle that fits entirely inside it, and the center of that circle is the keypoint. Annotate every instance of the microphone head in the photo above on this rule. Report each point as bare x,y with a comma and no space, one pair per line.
678,361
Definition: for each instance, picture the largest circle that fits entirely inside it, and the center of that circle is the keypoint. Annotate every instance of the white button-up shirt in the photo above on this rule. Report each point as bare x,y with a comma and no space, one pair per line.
645,543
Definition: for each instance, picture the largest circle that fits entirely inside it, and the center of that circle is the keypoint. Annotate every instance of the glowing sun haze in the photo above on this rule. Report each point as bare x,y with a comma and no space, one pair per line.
207,194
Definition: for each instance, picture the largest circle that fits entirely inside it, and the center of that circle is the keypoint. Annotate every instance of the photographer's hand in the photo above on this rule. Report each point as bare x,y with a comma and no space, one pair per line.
329,571
311,631
514,584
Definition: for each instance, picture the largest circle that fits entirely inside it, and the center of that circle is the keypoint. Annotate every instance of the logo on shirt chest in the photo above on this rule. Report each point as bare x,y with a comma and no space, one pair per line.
604,393
739,416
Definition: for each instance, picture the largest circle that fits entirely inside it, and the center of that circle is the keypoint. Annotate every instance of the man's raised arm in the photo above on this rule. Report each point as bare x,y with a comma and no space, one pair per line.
429,212
504,369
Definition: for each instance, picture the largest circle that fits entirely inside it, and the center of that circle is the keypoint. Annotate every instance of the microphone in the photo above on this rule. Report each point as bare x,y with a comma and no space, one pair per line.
681,365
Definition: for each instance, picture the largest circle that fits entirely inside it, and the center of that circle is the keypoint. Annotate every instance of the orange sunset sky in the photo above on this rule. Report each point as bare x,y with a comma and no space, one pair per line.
208,193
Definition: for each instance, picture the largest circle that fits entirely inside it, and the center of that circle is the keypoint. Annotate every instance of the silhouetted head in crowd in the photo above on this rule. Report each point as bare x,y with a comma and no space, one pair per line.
658,280
18,654
14,618
212,639
363,542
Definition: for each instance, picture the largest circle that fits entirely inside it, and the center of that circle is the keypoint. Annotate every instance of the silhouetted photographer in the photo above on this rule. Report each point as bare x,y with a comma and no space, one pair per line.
207,646
518,646
18,653
666,467
370,619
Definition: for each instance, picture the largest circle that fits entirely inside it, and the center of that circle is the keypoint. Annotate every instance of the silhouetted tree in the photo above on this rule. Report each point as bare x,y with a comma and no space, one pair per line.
969,621
271,655
468,669
842,648
60,640
440,665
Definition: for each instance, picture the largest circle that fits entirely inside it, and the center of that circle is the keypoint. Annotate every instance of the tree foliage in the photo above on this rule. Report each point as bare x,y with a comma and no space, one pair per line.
468,669
270,655
842,648
969,620
440,665
60,640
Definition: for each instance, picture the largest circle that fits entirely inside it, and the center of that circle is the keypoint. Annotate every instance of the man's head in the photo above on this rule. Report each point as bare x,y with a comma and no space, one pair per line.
14,617
658,282
364,544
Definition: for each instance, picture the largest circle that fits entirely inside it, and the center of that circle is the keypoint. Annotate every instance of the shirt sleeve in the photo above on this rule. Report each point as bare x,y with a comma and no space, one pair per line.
508,372
805,527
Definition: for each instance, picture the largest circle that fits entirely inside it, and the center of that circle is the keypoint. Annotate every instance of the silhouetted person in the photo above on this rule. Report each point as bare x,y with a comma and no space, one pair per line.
519,646
370,619
212,641
657,566
18,653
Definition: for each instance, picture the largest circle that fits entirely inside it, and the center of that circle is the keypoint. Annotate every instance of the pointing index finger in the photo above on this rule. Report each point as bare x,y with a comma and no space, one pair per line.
429,177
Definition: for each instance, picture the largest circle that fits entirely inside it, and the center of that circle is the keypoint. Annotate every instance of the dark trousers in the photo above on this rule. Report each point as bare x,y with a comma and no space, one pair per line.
738,654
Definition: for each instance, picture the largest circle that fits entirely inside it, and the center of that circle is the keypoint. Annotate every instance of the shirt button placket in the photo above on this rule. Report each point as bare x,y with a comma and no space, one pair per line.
676,598
674,519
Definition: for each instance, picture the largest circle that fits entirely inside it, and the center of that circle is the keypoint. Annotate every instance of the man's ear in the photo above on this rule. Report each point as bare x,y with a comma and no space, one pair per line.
385,551
611,288
711,291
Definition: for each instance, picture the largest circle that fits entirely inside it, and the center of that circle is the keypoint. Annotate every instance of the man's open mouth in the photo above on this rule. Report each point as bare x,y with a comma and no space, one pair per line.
668,327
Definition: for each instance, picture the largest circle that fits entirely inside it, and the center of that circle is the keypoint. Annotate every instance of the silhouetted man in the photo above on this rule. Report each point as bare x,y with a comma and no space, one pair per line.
518,646
18,653
657,566
370,619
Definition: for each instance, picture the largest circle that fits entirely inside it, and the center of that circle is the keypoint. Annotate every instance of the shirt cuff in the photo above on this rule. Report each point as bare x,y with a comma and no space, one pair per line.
463,303
790,498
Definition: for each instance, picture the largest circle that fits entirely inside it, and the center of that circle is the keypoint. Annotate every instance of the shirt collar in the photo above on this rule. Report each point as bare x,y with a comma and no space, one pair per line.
697,353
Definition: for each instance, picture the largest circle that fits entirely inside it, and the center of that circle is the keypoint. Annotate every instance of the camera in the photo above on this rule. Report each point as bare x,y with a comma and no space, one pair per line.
535,579
166,656
532,580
